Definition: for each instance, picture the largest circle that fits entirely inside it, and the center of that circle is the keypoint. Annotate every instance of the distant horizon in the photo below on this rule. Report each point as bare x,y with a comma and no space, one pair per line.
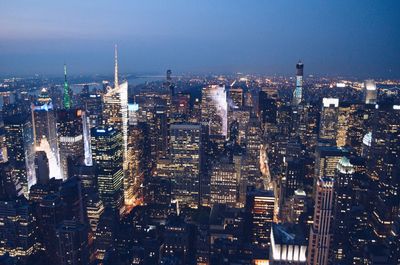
335,38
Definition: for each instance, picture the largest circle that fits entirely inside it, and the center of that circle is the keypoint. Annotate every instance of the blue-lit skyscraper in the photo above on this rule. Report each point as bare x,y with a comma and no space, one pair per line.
297,95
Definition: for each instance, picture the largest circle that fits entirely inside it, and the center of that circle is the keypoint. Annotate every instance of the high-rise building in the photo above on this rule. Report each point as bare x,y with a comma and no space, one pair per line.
344,198
235,97
370,92
73,243
45,132
42,171
17,228
186,150
70,138
20,148
260,205
298,92
224,183
67,91
321,230
328,125
107,157
384,166
214,109
115,108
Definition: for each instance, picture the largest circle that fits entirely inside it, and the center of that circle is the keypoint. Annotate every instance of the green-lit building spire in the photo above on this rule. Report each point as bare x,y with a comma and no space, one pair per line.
67,91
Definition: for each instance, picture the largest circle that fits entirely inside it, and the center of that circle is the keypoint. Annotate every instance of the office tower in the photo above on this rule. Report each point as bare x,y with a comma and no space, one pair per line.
224,184
17,228
20,148
384,167
157,190
93,105
370,92
252,155
70,138
326,159
297,94
235,97
344,200
94,210
288,244
321,230
328,125
186,150
168,83
260,205
297,206
71,196
161,131
106,232
45,132
241,116
42,167
115,108
73,243
50,216
3,144
267,106
67,101
107,156
214,109
346,120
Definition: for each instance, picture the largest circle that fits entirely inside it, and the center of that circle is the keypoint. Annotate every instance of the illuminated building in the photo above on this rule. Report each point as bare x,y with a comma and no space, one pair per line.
67,101
297,94
214,109
224,184
94,209
107,157
70,138
17,228
321,230
235,97
20,148
45,132
370,92
297,203
3,144
186,150
94,108
242,117
344,200
288,245
384,167
261,207
328,126
73,243
115,108
326,159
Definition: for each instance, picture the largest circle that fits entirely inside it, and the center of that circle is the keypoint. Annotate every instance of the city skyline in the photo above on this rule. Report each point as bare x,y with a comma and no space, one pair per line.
341,38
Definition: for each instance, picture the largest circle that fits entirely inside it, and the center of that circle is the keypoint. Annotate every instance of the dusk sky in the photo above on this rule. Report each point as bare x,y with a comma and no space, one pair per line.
348,37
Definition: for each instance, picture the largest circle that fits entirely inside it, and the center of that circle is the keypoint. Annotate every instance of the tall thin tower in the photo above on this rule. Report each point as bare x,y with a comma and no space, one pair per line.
298,92
67,91
321,230
116,83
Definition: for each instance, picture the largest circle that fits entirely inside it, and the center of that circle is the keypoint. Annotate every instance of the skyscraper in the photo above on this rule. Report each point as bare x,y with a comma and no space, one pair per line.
70,138
370,92
45,132
328,126
67,101
107,157
321,230
298,92
214,109
115,108
186,150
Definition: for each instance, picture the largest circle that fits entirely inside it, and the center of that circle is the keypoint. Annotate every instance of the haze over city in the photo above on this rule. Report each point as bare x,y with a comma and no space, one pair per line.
351,38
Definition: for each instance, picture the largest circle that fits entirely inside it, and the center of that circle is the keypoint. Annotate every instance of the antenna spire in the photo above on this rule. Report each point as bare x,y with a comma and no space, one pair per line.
116,84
